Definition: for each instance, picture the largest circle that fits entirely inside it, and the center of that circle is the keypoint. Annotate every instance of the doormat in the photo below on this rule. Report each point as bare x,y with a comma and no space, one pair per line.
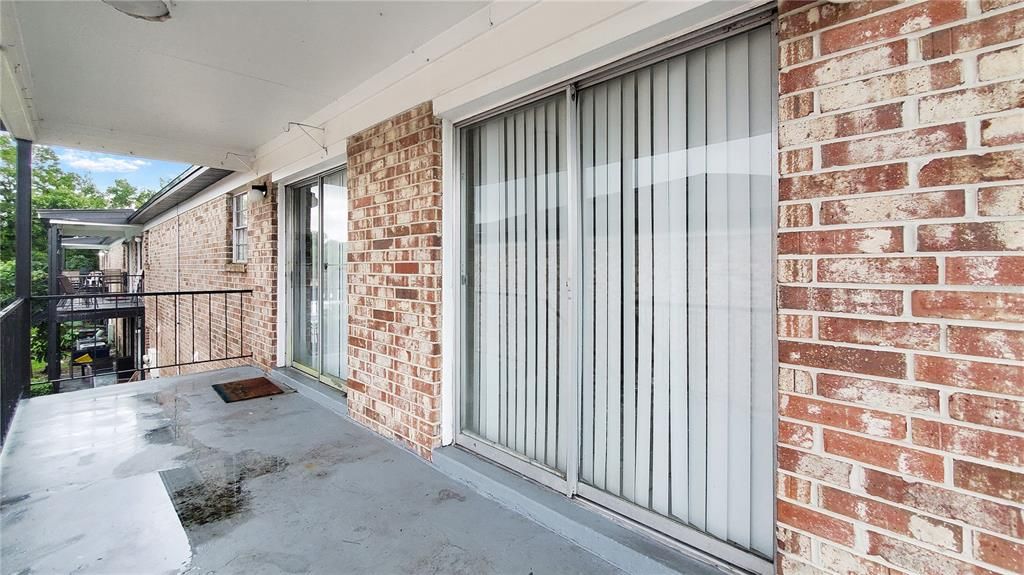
246,389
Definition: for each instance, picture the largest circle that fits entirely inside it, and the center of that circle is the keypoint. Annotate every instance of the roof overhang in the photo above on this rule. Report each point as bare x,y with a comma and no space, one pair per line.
89,243
208,85
96,229
180,189
90,229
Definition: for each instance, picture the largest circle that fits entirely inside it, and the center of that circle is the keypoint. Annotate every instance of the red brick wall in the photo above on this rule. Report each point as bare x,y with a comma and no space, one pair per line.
200,239
394,275
901,434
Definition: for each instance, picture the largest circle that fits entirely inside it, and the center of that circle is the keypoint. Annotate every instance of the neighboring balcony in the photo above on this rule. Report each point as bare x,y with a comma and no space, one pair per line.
99,295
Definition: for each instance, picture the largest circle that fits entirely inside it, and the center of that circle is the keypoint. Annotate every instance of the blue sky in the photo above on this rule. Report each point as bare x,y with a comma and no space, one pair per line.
105,168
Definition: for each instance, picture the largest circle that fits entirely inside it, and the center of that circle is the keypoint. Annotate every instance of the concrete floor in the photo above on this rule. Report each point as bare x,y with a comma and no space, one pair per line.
163,477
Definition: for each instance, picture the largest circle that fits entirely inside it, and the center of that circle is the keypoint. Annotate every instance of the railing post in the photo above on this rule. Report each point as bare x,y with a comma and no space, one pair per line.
23,258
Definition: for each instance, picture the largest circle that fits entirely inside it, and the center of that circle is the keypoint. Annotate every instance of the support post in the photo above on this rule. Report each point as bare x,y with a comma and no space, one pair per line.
56,266
23,255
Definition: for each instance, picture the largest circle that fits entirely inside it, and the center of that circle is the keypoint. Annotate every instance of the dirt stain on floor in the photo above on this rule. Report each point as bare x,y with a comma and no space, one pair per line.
209,493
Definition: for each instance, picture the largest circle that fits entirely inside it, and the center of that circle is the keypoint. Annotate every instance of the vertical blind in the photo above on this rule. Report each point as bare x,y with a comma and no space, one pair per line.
515,177
674,339
676,321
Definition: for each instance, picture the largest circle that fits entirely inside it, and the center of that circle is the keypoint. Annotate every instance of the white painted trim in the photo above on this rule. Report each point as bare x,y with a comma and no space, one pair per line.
503,51
93,247
16,113
15,80
451,216
620,35
300,170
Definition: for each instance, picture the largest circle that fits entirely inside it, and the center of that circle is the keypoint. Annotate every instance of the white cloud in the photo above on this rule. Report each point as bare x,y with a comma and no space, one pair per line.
94,162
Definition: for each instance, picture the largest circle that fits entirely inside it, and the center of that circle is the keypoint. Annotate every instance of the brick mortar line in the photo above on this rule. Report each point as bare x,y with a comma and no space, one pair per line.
967,19
968,57
902,475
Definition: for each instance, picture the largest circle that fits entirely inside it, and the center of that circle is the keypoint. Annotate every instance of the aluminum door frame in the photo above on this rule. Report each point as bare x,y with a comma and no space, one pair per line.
687,539
314,372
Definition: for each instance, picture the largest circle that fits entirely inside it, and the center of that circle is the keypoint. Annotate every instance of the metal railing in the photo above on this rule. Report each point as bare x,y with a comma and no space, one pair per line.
14,365
103,282
109,336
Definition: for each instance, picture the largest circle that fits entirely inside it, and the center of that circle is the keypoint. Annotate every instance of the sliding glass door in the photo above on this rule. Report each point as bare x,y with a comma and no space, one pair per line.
677,288
319,215
665,361
516,189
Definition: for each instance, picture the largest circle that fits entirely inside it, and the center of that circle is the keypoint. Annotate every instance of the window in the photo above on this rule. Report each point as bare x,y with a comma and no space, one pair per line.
240,228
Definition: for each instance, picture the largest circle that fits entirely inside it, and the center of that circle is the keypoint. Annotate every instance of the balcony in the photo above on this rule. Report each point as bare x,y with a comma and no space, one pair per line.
163,476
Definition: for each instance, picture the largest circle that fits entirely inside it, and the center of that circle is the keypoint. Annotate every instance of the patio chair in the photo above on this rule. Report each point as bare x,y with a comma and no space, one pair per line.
65,285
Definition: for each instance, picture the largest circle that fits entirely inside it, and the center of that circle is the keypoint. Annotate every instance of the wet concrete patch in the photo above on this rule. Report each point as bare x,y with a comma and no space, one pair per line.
162,435
212,492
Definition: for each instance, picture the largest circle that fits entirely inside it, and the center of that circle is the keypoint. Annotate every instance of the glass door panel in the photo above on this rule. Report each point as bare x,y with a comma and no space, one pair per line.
307,277
334,320
676,330
516,190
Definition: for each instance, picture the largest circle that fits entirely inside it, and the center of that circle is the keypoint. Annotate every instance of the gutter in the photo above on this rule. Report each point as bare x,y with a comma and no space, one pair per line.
188,174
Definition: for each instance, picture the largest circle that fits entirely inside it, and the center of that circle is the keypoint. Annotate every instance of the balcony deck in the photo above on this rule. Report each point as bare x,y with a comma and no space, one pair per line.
162,476
100,308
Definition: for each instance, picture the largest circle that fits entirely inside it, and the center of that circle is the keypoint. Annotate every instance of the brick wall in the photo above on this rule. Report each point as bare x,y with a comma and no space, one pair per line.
116,258
394,275
901,434
200,241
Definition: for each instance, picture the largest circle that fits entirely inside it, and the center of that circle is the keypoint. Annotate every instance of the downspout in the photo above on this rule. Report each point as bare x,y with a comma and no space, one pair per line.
177,251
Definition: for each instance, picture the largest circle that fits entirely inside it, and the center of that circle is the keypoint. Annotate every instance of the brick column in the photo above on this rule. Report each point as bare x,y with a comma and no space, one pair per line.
394,275
901,435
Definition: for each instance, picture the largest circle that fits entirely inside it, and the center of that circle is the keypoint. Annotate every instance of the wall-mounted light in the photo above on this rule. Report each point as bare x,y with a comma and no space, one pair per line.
262,188
149,10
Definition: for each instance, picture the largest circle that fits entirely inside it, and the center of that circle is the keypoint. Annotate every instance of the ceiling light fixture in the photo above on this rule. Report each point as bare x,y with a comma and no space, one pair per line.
149,10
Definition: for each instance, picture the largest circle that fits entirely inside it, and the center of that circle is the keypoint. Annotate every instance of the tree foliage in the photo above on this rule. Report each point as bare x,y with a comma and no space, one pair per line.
52,188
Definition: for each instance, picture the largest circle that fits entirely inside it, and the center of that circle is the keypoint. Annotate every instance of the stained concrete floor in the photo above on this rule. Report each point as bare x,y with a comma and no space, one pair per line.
163,477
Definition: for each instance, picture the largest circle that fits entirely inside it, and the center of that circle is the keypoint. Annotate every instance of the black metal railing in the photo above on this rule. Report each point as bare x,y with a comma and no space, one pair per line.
113,337
14,365
109,281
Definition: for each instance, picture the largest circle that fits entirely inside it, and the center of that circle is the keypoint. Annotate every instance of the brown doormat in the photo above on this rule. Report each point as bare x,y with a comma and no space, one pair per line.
246,389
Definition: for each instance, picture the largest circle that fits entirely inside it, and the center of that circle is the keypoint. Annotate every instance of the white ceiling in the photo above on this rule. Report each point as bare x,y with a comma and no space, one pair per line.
215,77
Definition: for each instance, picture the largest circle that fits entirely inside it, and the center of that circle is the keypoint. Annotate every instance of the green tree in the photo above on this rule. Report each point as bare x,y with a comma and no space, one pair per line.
122,194
52,187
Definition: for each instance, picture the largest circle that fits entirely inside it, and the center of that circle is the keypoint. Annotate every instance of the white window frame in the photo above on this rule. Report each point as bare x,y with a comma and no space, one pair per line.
236,229
686,539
